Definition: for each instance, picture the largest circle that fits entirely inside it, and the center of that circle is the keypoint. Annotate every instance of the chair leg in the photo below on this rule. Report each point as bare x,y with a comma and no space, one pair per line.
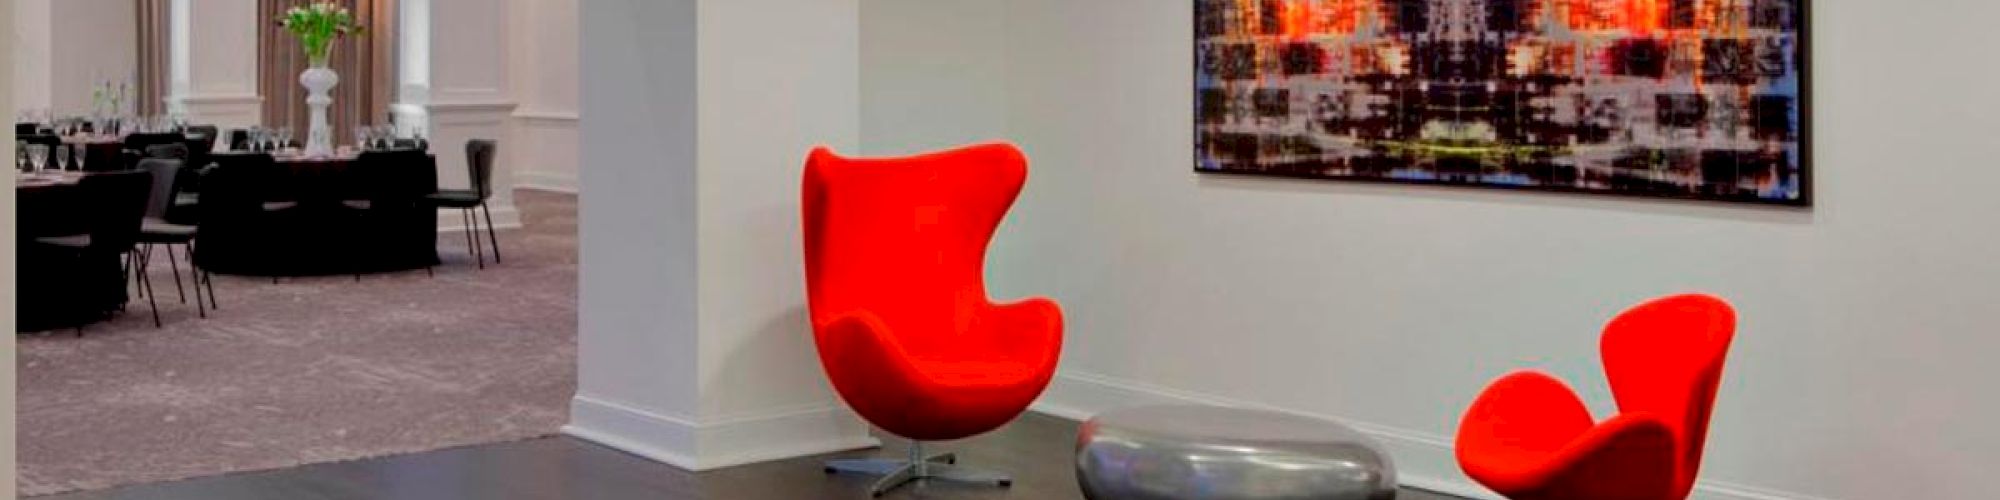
478,248
491,238
194,273
174,262
205,279
918,467
152,300
132,272
471,240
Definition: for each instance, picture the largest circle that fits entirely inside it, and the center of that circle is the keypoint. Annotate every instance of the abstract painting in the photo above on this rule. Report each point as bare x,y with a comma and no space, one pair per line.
1695,99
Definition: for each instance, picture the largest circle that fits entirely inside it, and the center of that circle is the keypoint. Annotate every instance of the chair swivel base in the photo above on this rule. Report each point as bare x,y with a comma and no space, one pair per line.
896,473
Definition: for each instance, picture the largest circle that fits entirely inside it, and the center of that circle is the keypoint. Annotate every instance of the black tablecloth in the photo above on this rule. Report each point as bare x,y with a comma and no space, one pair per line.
264,217
54,287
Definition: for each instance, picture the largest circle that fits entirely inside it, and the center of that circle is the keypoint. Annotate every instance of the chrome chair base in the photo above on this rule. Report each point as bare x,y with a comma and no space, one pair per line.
919,467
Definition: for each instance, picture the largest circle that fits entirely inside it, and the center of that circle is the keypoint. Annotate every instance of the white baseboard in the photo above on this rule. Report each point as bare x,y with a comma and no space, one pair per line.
699,446
668,439
547,181
450,221
1423,460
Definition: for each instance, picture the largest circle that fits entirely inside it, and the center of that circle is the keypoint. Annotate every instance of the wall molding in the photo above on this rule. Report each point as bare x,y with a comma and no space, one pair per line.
547,116
1423,460
219,98
436,107
695,445
553,182
504,218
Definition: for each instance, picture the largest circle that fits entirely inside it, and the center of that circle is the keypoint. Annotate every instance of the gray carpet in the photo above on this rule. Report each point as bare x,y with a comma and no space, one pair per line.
311,370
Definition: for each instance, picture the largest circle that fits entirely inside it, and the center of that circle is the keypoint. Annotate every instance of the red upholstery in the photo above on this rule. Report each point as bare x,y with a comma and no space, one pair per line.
1528,437
894,250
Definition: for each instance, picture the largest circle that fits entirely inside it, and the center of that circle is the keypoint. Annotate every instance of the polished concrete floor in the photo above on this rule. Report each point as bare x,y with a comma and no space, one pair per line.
1035,449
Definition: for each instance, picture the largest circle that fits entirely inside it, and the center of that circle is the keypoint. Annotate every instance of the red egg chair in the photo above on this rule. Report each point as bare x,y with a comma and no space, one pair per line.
894,250
1529,437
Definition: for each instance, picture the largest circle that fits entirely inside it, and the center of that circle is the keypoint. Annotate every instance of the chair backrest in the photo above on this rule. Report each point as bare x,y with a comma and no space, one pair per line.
905,238
139,142
117,208
21,129
201,138
167,151
394,174
479,162
165,173
1665,357
239,140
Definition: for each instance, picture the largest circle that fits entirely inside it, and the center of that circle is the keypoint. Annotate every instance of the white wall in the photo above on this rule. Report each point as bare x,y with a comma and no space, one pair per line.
70,47
8,58
31,37
772,78
1864,345
934,74
544,52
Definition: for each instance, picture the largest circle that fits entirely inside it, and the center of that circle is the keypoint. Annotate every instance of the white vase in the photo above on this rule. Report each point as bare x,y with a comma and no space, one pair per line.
319,82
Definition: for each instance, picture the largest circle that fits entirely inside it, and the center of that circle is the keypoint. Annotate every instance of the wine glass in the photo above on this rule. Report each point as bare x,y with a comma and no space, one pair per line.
38,156
80,154
21,155
62,157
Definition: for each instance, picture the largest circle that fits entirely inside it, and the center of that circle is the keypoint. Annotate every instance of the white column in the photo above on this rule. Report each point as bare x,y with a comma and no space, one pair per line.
545,82
470,96
694,344
215,76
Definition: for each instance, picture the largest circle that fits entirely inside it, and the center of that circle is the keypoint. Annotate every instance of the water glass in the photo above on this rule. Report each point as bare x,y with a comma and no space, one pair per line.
62,157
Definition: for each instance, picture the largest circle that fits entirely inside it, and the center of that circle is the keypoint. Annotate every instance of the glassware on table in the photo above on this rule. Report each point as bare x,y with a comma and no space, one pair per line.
21,155
38,156
62,157
80,153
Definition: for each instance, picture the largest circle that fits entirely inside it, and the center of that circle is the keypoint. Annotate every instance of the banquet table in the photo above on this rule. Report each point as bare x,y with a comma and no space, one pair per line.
295,215
58,288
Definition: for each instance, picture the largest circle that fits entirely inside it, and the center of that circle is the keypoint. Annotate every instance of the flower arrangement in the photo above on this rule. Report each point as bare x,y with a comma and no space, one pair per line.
318,26
109,95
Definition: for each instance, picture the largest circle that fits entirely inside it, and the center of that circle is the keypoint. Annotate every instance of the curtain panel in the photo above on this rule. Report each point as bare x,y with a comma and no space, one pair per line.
155,78
366,64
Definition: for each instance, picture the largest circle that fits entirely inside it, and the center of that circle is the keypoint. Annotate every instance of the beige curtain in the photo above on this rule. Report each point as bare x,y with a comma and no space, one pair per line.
366,65
155,23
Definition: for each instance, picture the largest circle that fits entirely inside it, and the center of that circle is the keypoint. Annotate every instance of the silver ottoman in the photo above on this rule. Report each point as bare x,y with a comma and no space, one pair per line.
1210,453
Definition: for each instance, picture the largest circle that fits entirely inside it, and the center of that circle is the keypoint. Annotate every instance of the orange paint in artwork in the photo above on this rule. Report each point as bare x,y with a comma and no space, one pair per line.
1297,17
1643,17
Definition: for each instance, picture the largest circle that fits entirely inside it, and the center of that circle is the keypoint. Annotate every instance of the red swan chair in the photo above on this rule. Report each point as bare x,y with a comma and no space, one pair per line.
1528,437
894,250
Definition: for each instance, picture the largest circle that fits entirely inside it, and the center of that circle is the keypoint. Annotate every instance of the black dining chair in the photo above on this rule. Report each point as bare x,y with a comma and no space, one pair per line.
115,218
141,143
21,129
156,231
479,155
387,195
239,140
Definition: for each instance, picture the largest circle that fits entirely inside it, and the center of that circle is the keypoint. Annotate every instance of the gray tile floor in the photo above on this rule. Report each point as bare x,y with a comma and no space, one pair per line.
1035,449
